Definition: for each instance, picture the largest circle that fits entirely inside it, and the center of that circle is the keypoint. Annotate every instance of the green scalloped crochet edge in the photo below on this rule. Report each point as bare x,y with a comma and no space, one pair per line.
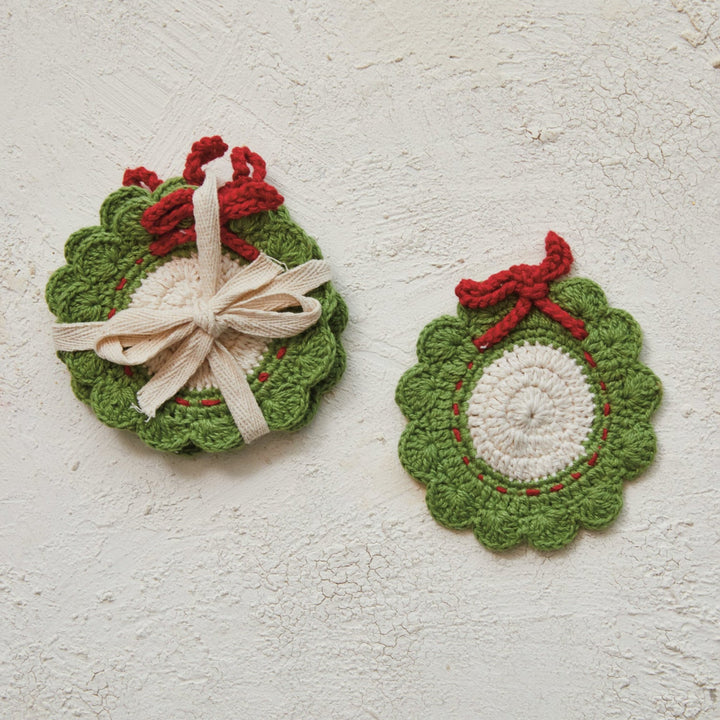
463,491
106,263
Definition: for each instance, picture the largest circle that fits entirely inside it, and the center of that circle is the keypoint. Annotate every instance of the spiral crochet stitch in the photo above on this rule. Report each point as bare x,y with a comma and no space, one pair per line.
143,255
528,410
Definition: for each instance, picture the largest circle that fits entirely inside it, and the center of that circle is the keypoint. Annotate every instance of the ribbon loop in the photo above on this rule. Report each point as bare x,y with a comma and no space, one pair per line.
531,284
253,302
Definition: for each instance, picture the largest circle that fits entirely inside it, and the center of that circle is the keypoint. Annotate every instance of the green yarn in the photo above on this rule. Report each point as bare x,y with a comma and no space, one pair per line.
86,290
464,490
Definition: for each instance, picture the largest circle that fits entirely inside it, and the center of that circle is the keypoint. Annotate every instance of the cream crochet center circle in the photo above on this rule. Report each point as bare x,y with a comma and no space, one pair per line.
531,412
176,284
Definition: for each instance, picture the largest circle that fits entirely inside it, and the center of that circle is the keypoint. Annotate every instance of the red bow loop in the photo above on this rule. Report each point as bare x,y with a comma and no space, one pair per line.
240,159
531,284
202,152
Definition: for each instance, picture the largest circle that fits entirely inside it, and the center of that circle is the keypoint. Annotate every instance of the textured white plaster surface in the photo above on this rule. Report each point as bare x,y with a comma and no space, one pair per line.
420,142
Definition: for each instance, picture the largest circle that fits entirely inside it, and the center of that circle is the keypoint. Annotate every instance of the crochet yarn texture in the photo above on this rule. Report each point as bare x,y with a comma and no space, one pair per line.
528,410
143,257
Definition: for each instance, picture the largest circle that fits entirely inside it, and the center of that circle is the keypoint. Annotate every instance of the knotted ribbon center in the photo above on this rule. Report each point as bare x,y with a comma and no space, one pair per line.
206,319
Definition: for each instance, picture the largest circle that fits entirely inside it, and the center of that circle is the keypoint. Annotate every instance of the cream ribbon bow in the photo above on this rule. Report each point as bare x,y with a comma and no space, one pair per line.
249,303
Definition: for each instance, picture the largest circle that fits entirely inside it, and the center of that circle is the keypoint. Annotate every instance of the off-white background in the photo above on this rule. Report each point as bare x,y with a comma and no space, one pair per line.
420,142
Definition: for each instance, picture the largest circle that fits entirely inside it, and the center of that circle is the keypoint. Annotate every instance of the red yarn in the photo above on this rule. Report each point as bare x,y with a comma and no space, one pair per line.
201,153
246,194
530,283
141,176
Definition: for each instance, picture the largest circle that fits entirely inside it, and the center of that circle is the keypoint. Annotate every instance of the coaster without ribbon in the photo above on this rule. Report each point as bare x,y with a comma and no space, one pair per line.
528,410
143,256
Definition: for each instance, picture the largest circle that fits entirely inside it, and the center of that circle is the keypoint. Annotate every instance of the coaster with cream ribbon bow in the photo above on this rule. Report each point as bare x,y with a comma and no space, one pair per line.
530,408
199,317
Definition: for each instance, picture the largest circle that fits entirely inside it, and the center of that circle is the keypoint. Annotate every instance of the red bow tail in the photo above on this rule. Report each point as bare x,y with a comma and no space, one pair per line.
530,283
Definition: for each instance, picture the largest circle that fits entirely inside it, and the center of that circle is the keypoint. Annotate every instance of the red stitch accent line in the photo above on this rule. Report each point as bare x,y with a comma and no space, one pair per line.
532,491
575,476
121,284
208,403
457,435
606,409
557,487
456,409
281,353
111,313
593,459
466,459
263,376
501,489
603,386
182,401
604,435
139,261
458,384
127,370
589,359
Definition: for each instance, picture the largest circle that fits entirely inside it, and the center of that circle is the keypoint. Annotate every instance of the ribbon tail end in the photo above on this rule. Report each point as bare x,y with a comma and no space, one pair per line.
149,414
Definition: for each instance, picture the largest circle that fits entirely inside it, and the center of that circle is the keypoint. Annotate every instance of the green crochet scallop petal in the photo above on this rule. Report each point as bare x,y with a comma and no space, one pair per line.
636,447
120,214
82,302
498,529
275,234
615,341
57,290
287,407
453,504
421,392
97,258
85,366
552,528
598,505
82,391
339,318
419,453
580,297
336,322
78,240
168,431
125,223
219,435
212,429
314,354
640,392
336,371
445,341
113,403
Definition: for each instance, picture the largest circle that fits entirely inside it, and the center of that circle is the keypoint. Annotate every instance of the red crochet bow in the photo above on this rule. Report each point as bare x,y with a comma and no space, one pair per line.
530,283
244,195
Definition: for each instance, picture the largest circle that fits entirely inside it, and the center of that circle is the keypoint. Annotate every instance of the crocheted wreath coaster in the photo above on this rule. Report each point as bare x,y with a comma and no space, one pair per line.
183,290
530,408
